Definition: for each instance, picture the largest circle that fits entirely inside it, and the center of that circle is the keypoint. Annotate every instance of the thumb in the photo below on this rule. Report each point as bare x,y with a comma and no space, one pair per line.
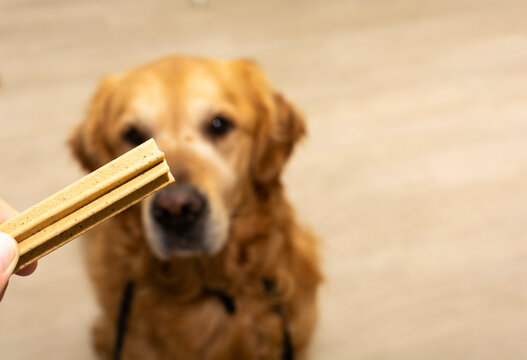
8,257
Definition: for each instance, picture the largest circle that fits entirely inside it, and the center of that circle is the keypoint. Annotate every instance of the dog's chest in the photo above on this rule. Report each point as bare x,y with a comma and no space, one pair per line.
215,322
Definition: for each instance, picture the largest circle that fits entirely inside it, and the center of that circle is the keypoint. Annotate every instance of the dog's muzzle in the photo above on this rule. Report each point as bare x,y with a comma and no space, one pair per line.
179,213
178,209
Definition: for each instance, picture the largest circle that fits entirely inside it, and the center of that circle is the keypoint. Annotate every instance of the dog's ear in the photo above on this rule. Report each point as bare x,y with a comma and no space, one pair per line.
87,140
275,139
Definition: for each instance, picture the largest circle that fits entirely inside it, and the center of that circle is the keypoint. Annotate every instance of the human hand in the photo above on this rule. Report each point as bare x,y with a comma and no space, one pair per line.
9,251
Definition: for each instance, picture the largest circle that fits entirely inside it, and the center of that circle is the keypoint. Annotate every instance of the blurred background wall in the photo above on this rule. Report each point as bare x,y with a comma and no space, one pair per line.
414,173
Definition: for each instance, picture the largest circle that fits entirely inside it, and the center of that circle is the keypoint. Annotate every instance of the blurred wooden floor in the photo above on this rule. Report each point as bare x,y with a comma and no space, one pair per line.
415,172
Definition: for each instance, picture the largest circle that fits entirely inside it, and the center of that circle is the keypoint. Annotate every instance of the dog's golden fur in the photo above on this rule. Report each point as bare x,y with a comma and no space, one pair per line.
267,259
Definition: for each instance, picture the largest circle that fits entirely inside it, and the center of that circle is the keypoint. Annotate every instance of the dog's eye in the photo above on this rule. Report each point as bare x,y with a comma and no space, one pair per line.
219,126
134,136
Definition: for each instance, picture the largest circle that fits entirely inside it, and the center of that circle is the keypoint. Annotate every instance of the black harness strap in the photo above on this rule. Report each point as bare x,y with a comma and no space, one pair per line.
288,352
226,300
122,320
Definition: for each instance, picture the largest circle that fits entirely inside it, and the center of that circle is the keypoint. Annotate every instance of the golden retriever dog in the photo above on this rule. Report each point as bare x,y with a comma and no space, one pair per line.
214,266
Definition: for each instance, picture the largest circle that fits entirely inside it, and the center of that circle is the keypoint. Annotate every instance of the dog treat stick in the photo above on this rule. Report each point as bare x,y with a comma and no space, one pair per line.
85,203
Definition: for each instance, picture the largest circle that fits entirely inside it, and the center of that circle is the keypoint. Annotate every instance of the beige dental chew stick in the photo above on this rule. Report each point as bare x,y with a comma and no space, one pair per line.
96,197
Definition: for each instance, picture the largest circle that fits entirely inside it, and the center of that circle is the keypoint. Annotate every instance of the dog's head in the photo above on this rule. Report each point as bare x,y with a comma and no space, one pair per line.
225,132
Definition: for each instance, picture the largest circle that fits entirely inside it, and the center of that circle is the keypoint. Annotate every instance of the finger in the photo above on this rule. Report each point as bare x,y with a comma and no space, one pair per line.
6,211
8,257
3,291
28,270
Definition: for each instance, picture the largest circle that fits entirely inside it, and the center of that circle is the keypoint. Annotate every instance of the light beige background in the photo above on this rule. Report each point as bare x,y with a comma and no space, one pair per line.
415,171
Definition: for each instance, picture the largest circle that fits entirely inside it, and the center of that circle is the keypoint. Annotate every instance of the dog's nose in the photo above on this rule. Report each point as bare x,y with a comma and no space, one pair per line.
178,207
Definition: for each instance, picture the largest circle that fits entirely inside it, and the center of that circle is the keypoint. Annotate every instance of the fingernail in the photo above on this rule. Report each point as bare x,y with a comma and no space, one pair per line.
8,252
